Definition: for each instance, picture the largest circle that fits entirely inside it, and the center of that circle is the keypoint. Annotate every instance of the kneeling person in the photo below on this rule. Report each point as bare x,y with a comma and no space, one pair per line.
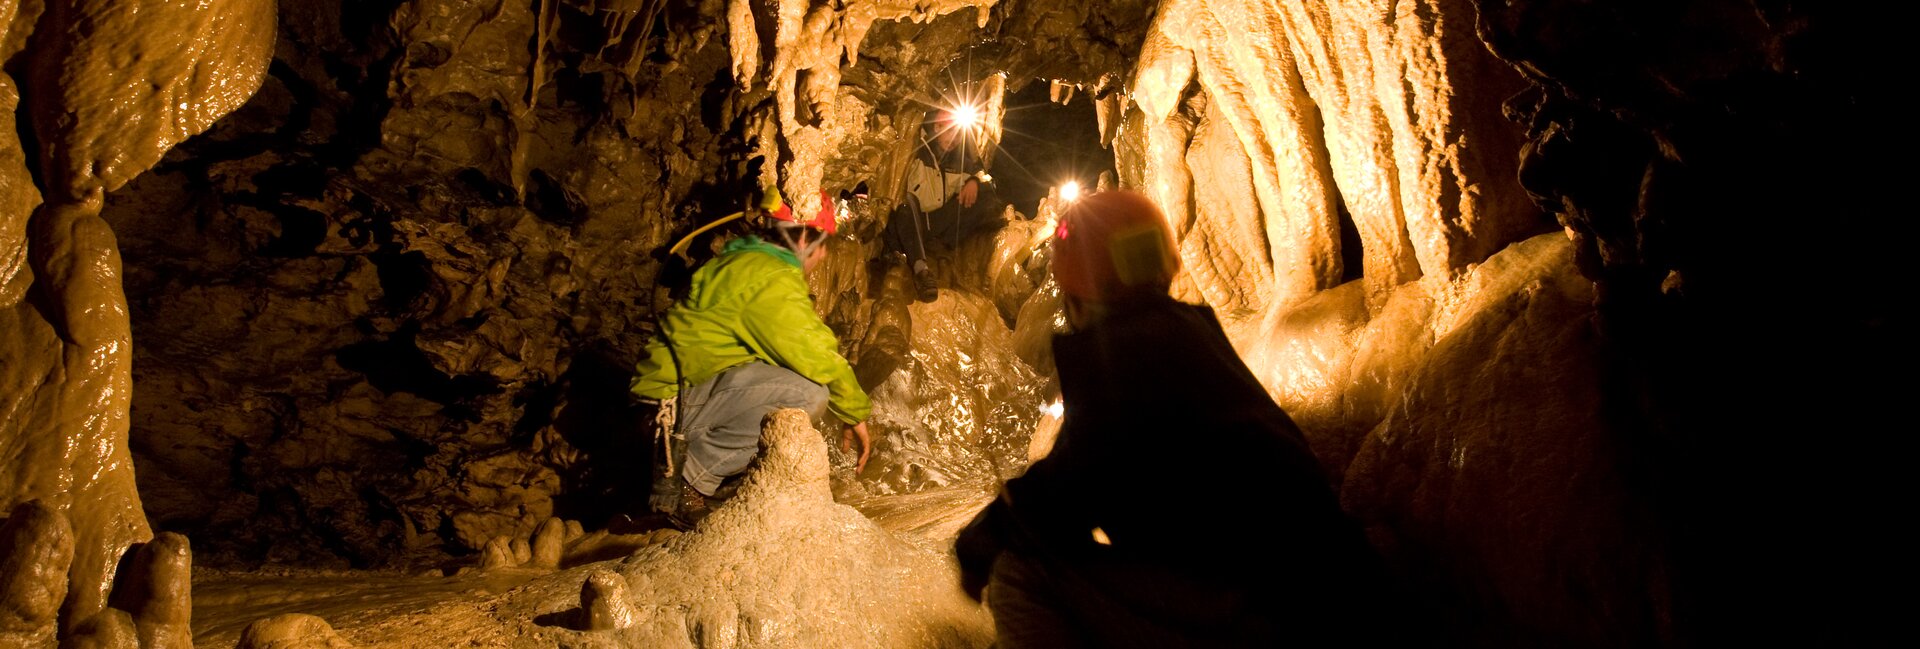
745,342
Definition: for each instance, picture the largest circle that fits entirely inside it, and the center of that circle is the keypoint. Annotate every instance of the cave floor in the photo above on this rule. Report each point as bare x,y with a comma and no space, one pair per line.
474,608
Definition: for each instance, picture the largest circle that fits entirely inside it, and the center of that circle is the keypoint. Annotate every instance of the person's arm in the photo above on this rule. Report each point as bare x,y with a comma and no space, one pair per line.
656,376
969,191
779,320
858,432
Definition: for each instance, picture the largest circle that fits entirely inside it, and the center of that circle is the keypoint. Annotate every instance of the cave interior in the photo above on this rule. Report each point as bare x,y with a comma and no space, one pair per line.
317,318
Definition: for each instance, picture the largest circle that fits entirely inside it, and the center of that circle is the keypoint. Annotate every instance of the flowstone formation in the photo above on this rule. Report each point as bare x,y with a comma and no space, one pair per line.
782,565
107,89
778,565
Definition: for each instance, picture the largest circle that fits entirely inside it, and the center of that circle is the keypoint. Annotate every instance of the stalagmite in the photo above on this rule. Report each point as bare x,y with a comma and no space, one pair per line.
548,544
111,628
36,549
498,554
109,88
783,564
291,631
158,591
604,598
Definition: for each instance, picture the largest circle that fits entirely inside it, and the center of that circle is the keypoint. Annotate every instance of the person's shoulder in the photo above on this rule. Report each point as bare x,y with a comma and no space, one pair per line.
752,267
742,264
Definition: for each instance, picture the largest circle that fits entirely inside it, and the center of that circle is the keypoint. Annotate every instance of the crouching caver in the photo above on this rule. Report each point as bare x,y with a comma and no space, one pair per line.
744,342
1180,506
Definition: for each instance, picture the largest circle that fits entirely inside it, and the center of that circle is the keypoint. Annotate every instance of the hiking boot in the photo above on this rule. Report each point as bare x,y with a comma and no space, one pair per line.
923,281
692,506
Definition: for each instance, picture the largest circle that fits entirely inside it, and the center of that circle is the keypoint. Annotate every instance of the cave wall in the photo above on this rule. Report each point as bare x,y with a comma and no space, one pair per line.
1717,165
104,90
386,310
1545,431
1451,382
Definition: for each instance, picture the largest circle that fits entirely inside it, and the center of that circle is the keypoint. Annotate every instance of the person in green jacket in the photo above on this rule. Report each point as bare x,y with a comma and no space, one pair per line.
745,341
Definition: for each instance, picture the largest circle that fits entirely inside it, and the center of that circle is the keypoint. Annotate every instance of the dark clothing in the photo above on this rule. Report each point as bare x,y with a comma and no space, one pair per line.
920,235
929,219
1253,552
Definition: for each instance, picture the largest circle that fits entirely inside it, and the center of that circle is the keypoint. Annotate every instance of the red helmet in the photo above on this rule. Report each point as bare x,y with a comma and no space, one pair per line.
1114,246
823,220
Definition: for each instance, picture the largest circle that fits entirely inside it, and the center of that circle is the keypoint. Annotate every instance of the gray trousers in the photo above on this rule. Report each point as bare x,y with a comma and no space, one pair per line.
720,418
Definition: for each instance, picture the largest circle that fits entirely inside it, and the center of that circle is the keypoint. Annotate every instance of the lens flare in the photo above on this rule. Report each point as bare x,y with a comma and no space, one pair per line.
1070,191
965,116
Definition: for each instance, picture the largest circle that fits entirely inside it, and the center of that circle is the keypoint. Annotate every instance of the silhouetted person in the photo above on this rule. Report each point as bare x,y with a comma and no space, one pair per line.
948,197
744,342
1180,506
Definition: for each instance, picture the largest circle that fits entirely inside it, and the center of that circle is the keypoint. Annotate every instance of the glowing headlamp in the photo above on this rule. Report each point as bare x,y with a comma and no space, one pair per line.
1070,191
965,116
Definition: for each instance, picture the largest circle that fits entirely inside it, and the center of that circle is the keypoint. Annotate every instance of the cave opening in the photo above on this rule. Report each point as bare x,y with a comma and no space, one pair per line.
1048,143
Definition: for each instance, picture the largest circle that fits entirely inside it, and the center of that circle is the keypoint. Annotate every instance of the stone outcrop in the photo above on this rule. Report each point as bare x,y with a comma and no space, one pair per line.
36,549
291,631
1686,147
108,88
781,564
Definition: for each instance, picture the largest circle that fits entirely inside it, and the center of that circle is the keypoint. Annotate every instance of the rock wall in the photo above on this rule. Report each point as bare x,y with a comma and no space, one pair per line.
105,89
1717,165
782,565
1552,458
386,311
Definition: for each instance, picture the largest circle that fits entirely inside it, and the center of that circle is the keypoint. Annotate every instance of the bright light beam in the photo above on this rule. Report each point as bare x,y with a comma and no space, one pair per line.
1070,191
965,116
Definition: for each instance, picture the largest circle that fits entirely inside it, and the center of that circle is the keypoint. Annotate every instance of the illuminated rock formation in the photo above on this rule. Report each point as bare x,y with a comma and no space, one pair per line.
291,631
781,564
110,88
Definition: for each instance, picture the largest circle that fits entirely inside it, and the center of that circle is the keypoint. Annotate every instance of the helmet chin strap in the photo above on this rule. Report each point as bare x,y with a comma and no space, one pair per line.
795,238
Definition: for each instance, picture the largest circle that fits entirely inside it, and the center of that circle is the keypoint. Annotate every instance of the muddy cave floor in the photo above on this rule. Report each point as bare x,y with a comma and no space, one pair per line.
427,607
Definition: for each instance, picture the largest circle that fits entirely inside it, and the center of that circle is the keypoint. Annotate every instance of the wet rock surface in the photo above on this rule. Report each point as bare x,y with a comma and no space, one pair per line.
36,549
103,90
291,631
781,564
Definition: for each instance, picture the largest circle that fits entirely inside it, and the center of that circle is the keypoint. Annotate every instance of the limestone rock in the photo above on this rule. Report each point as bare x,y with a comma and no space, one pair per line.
157,590
962,411
548,544
36,549
1533,487
122,87
111,628
604,598
291,631
782,564
498,554
18,197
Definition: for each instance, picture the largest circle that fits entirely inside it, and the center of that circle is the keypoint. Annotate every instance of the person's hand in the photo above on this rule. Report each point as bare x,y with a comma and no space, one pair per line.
852,432
969,192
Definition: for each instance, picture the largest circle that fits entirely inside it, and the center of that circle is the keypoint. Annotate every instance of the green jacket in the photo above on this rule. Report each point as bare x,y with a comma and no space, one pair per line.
750,303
